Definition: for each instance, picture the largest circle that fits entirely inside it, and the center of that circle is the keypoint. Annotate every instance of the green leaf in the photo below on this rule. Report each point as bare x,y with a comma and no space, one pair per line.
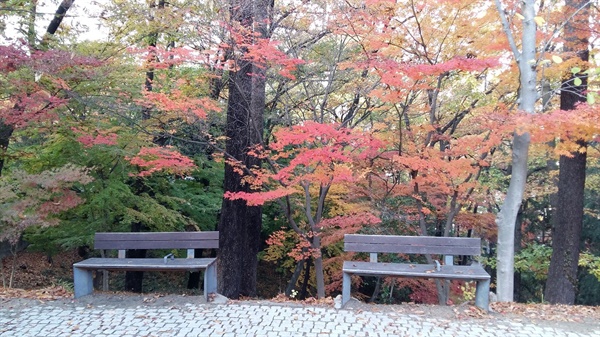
590,98
575,70
577,81
557,59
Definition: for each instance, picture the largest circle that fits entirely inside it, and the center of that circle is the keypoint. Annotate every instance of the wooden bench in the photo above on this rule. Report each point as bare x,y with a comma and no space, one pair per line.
447,246
82,271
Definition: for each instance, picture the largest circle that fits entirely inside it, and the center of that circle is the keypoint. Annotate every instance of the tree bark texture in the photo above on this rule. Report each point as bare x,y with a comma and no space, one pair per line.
319,274
507,216
561,285
61,11
240,224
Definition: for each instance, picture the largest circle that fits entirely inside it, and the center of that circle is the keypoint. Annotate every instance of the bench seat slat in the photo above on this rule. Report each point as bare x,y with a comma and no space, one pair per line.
411,244
391,248
156,245
157,240
145,264
472,272
176,236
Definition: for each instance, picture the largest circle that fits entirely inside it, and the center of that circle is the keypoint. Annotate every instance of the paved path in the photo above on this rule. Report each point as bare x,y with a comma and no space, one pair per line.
241,319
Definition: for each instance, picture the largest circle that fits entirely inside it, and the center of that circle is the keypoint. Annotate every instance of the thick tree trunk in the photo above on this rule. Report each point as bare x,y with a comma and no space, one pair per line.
561,285
237,259
240,224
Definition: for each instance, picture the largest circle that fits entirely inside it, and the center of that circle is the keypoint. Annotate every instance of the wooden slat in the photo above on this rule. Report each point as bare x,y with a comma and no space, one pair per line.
155,264
473,272
127,236
412,244
157,240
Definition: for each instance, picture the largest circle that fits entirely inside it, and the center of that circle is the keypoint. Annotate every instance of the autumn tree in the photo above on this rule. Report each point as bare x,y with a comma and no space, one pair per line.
6,128
436,109
306,163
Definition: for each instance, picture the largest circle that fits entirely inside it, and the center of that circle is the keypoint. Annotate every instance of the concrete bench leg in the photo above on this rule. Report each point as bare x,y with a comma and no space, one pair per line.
482,295
210,280
346,285
83,282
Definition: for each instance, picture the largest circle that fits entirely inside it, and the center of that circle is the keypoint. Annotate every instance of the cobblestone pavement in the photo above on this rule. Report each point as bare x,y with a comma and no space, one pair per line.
259,319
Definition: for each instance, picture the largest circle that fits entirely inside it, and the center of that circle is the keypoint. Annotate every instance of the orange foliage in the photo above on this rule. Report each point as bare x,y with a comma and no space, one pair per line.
164,159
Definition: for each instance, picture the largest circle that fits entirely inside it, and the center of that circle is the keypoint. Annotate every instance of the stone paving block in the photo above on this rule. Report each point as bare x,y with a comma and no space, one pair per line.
252,320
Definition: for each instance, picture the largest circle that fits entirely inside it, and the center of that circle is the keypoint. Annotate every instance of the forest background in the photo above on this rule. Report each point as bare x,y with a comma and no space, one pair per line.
285,125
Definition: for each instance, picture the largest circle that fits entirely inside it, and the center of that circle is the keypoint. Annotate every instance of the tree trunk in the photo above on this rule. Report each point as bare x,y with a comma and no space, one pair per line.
292,282
507,216
134,279
61,11
240,224
561,285
304,287
6,132
31,35
319,275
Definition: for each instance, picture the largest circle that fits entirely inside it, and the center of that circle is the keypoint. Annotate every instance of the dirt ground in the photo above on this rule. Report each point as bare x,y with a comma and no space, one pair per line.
41,281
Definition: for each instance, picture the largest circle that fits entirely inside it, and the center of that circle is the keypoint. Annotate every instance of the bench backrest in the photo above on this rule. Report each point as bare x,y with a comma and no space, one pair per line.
412,244
157,240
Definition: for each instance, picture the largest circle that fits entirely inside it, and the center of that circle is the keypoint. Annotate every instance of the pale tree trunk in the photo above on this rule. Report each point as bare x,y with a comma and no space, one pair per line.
561,285
526,59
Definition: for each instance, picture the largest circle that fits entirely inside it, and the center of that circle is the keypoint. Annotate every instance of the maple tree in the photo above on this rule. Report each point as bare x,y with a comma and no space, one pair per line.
440,123
308,161
67,90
